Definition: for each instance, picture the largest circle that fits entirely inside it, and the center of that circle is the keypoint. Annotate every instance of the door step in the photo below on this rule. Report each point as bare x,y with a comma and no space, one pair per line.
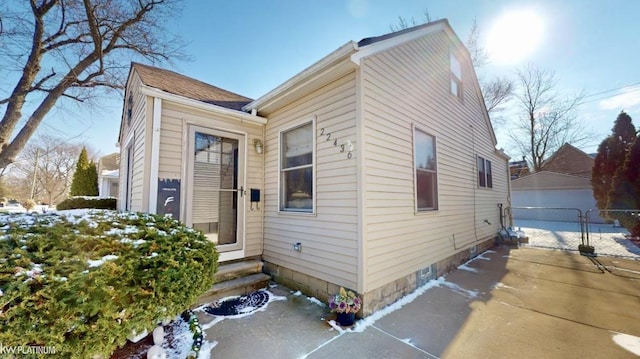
234,279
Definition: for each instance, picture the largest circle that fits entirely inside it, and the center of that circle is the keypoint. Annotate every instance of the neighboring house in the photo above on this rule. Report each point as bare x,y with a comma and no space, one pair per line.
108,175
374,169
565,182
570,160
518,169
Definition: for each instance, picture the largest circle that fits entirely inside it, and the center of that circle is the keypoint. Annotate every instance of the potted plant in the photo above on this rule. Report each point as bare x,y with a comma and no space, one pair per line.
345,304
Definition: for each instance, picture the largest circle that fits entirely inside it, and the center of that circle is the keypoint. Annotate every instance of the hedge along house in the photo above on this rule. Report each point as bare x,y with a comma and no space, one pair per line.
374,169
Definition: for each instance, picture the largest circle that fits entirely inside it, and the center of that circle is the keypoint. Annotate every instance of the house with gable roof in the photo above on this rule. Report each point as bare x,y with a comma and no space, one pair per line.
375,168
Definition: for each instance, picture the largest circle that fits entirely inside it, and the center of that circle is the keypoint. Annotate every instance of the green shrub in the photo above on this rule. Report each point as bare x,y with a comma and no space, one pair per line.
82,283
87,202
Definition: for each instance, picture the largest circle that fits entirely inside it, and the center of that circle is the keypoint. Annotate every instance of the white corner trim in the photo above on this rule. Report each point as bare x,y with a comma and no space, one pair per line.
303,76
155,155
184,101
394,41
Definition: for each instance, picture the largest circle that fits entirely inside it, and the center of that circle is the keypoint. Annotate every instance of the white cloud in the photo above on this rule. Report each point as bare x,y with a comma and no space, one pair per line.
628,98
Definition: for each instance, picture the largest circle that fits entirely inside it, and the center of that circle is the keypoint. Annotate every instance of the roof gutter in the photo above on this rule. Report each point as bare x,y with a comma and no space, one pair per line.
215,109
342,52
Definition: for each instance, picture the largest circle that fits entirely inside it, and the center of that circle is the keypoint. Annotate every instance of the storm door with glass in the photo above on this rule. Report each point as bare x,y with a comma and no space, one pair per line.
215,194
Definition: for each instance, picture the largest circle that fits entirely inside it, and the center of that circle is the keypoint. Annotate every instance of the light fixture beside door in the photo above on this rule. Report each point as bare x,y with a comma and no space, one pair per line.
257,144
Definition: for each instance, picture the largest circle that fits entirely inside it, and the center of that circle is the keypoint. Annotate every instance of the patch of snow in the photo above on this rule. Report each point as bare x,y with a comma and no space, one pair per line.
336,327
1,293
362,324
501,285
606,238
467,268
99,262
206,348
407,341
183,339
298,293
215,321
471,294
629,342
135,243
483,254
36,269
317,301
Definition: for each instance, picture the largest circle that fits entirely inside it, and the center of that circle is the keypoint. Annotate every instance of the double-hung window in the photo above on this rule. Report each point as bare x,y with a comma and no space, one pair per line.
296,169
485,177
426,171
456,76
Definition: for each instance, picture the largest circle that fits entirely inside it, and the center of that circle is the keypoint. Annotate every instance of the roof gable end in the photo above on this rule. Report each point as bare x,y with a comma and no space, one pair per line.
570,160
373,45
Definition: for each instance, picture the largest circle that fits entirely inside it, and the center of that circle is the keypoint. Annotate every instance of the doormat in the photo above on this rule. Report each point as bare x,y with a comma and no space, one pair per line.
243,304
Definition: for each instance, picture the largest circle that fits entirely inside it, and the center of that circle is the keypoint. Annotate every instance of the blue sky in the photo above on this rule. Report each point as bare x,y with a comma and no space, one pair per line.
250,47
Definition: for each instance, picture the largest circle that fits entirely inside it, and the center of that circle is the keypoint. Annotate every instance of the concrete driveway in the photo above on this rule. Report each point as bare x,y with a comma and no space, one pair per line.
510,302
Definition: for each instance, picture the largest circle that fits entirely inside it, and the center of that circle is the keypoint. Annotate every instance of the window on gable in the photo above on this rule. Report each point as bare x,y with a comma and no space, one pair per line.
426,171
456,76
296,169
485,176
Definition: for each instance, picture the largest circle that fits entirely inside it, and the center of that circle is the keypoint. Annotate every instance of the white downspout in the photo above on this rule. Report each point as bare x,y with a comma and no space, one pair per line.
155,155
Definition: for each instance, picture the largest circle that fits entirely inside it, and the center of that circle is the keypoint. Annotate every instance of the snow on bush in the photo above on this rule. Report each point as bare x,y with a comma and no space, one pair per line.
82,281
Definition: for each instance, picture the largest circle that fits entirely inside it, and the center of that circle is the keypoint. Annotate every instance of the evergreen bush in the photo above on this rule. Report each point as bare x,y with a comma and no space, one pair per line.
87,202
85,178
83,283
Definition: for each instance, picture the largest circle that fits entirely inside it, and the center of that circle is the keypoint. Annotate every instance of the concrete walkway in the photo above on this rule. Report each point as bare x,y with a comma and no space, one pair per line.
513,302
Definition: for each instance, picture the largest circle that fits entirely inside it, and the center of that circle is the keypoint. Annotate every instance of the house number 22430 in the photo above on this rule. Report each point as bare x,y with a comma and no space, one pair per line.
348,146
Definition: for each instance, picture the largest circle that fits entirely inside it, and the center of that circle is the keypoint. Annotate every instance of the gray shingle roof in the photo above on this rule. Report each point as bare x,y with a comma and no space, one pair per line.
371,40
174,83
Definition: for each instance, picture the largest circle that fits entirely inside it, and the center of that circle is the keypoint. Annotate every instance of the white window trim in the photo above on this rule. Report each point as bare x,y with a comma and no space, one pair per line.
417,210
128,179
454,77
486,177
314,190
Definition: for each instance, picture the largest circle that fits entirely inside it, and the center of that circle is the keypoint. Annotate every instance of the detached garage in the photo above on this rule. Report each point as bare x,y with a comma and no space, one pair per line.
553,189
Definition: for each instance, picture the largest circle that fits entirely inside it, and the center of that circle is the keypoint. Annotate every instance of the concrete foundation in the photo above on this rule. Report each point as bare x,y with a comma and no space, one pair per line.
380,297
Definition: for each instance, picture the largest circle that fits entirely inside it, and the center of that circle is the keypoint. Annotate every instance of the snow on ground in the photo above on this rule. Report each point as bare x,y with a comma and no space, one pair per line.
628,342
369,321
607,239
99,262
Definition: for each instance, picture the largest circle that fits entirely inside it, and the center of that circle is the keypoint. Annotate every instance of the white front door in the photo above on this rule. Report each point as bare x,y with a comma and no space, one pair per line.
215,192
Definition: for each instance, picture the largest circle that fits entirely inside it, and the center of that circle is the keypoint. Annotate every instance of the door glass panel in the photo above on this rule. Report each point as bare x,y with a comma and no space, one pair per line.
215,184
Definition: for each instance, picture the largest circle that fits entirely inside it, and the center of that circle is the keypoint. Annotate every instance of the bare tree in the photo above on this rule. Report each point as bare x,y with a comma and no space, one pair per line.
547,120
404,23
497,91
64,49
53,160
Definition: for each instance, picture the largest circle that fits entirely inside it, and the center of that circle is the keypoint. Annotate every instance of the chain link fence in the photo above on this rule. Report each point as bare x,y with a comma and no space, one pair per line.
610,232
556,228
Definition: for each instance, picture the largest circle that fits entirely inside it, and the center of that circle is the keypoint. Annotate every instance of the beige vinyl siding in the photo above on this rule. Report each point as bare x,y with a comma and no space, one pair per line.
408,86
134,134
174,124
329,236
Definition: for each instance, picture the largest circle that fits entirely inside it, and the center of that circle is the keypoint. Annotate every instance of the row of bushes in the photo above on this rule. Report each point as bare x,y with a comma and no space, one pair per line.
87,202
83,283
